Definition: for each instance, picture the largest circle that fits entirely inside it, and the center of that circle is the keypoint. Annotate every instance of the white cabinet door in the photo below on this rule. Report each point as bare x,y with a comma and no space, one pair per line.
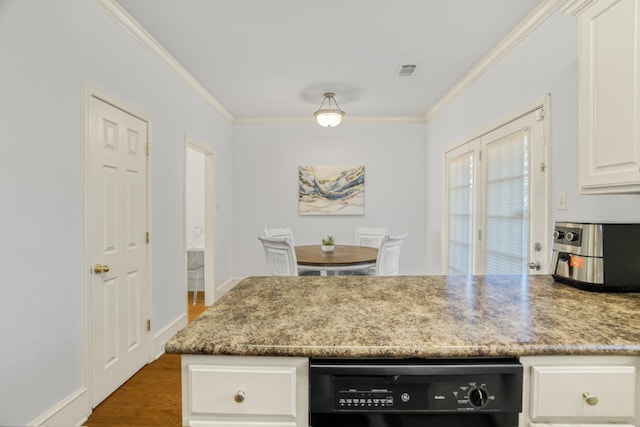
240,390
598,393
609,96
234,391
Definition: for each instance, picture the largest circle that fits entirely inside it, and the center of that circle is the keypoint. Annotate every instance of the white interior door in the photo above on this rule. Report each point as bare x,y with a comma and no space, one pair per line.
117,250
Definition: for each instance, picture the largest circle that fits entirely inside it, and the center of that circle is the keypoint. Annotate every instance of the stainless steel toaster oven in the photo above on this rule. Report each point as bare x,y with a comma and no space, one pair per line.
597,256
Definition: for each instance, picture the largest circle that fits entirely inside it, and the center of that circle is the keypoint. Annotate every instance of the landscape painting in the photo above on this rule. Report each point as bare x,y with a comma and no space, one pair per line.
331,190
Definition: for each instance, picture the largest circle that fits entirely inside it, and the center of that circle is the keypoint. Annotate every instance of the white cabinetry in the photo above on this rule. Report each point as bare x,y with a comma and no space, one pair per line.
609,101
226,391
580,391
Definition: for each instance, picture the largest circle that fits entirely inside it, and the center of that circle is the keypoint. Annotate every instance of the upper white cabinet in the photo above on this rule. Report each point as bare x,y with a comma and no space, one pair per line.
609,95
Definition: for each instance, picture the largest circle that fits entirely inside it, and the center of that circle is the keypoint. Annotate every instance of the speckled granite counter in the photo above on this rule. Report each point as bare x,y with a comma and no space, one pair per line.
413,316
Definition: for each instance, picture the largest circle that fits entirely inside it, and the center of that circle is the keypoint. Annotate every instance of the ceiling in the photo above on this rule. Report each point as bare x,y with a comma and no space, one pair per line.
275,58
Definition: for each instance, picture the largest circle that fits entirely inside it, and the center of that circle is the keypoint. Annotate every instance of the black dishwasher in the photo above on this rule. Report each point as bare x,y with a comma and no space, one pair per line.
479,392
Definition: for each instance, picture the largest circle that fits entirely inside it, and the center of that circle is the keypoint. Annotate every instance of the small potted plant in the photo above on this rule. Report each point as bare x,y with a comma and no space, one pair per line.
328,244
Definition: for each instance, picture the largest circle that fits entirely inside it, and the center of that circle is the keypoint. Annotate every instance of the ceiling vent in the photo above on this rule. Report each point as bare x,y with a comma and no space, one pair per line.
407,70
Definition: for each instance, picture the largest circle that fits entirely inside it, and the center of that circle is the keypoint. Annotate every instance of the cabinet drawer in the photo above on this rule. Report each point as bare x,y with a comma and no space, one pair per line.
557,392
242,390
269,424
579,425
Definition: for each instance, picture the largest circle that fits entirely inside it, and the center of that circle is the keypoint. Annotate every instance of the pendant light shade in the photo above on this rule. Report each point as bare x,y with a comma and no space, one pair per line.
330,115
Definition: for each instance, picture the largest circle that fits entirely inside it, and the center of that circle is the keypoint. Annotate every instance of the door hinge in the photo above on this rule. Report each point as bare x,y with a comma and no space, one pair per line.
479,235
148,149
147,238
479,155
148,325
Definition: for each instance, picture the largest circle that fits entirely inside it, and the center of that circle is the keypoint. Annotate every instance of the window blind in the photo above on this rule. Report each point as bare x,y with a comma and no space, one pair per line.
461,214
507,205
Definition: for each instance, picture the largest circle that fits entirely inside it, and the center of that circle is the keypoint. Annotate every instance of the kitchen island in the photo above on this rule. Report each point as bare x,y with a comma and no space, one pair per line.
413,316
291,319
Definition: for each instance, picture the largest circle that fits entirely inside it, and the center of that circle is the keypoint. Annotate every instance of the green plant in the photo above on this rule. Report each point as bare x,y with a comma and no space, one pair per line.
328,241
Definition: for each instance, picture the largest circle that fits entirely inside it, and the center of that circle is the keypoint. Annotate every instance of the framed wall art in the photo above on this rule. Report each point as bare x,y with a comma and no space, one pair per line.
331,190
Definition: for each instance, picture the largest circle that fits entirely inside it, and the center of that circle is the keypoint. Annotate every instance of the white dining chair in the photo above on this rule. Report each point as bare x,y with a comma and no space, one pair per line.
371,237
388,260
366,236
279,256
288,233
195,265
280,232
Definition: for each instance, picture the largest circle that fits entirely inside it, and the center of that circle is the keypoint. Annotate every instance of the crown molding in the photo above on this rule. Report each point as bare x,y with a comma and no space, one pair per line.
576,7
312,120
126,21
530,23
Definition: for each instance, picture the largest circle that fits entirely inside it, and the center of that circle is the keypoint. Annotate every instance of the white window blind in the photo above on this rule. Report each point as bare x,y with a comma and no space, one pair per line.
461,213
507,210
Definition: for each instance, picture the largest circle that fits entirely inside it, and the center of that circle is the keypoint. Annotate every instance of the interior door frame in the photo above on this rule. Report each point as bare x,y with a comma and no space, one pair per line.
544,105
209,217
90,92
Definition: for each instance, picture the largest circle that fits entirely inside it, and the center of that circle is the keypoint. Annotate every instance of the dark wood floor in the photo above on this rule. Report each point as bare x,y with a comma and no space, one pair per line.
152,397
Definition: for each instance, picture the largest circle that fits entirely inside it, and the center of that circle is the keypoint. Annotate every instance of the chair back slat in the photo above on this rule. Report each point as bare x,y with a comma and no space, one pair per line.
372,237
388,261
280,256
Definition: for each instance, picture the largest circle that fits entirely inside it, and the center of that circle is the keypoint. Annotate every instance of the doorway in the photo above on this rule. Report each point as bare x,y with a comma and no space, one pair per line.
496,198
199,206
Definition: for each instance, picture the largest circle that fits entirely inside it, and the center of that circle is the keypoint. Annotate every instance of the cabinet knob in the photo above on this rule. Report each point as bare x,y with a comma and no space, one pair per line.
239,397
590,399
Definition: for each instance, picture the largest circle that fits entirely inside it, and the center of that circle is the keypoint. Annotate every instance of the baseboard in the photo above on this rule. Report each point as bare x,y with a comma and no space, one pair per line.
71,411
162,336
227,287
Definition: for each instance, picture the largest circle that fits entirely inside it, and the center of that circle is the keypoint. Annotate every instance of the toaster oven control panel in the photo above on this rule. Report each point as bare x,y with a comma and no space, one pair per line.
567,235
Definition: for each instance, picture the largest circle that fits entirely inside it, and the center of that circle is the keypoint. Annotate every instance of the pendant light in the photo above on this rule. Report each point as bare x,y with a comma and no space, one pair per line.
328,116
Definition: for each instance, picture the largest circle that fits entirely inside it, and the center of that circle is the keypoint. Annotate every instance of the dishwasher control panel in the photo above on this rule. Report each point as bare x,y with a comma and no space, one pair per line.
416,393
415,386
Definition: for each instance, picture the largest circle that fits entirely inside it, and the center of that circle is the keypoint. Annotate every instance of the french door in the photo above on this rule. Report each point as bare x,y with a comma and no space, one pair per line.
496,207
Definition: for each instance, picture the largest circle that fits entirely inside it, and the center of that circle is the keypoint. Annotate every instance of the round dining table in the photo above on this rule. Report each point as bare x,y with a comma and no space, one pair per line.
343,258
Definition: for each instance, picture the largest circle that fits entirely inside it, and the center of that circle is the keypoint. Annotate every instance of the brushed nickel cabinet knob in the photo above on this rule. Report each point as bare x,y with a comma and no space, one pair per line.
590,399
239,397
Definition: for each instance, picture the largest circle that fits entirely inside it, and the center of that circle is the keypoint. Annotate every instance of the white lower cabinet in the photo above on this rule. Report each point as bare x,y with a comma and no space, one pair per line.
580,391
233,391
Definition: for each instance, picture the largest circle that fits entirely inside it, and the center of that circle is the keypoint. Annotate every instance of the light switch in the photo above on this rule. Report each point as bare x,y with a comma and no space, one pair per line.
562,200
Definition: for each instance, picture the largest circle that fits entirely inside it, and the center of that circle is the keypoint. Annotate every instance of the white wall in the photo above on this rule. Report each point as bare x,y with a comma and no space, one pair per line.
545,62
49,49
265,185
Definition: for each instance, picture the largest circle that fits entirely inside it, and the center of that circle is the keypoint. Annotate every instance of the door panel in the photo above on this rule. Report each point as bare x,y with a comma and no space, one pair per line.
116,229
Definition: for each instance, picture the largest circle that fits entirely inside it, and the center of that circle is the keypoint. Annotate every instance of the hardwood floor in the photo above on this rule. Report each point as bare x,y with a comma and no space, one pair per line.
152,397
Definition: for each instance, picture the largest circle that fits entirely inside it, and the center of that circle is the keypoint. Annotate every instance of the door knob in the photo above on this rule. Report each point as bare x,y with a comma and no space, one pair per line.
100,268
534,266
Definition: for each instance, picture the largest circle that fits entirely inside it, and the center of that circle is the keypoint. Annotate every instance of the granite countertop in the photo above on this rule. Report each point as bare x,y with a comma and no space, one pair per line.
413,316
